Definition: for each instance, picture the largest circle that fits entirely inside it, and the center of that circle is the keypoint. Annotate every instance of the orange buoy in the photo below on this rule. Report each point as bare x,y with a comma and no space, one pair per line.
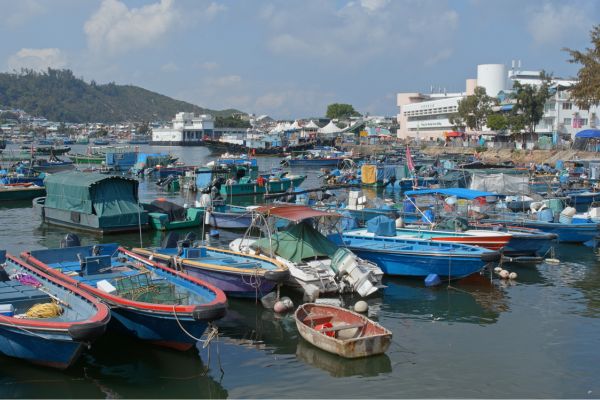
326,325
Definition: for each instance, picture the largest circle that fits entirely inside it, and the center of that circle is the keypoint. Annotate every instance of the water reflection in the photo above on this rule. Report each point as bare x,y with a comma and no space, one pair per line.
115,367
339,367
472,300
250,324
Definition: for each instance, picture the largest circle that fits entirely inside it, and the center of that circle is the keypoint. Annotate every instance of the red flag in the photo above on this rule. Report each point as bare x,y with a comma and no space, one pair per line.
409,160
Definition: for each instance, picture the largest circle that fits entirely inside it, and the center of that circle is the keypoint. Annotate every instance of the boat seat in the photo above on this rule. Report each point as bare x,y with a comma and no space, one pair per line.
342,327
316,319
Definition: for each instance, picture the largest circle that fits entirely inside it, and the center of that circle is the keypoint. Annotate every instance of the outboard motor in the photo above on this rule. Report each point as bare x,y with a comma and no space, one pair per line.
170,241
70,240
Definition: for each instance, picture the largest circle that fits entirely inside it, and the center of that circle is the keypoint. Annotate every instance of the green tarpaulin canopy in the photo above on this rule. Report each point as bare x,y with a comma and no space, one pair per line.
114,199
299,242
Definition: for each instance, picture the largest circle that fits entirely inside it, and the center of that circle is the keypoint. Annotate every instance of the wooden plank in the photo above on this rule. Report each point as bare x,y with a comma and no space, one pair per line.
342,327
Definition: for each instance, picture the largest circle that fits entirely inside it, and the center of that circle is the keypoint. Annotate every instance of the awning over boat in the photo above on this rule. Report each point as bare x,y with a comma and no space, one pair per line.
295,213
299,242
460,193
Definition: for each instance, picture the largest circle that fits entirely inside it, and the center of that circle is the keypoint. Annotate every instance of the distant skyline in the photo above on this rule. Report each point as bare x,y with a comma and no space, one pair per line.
290,59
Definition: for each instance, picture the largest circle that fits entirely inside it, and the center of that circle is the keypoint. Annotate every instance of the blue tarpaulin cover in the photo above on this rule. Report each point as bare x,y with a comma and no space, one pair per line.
382,226
588,134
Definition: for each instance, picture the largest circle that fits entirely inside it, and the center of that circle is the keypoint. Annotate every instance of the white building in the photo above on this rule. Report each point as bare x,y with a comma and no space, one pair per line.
185,130
427,116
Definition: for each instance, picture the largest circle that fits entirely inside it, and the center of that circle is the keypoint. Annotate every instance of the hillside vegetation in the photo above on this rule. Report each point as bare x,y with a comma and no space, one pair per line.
59,96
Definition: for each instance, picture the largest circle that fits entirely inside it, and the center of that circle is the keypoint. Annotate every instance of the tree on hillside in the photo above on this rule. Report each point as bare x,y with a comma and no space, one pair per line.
231,122
473,110
340,110
586,91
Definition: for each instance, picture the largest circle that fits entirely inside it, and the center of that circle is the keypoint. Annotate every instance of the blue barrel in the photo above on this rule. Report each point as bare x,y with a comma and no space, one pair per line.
428,216
409,206
546,215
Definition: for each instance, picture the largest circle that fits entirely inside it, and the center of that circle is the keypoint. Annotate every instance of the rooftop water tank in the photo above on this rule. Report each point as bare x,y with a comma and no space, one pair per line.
492,77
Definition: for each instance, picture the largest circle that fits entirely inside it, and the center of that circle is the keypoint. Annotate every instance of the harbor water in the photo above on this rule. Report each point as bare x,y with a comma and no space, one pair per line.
480,337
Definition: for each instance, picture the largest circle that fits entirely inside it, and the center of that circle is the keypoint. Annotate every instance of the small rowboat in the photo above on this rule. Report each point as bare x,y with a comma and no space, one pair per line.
340,331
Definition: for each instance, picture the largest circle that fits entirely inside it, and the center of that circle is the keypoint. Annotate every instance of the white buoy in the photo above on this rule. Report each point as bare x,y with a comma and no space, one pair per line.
512,275
497,270
552,260
279,307
361,306
504,274
287,302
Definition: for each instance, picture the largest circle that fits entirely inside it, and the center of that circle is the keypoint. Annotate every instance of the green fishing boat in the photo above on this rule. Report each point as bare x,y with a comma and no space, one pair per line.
248,187
166,216
88,158
92,201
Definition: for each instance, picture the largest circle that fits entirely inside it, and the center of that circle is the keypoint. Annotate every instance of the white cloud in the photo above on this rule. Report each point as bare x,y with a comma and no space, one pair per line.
213,9
115,29
169,67
209,65
228,80
17,13
374,5
37,59
360,30
552,23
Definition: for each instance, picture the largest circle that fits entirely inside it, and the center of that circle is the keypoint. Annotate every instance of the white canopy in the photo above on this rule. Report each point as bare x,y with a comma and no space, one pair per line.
311,125
295,125
329,128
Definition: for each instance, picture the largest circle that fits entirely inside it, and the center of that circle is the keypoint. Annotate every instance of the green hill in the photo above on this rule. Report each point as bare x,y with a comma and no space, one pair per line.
59,96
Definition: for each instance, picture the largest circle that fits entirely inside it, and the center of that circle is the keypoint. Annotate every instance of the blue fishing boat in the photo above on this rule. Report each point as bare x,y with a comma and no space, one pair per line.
228,216
582,199
44,320
236,273
148,301
578,231
525,242
416,257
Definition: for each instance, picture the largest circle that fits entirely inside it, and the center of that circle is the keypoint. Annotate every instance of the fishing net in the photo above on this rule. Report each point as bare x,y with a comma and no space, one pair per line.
44,310
141,287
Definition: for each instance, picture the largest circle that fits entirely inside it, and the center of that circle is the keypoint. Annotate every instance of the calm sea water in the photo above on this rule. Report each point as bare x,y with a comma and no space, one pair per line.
538,337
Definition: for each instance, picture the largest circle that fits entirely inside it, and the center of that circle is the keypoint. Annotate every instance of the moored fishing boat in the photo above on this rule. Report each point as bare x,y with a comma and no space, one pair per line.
148,301
20,191
416,257
237,274
340,331
44,320
317,266
165,215
93,202
492,240
270,184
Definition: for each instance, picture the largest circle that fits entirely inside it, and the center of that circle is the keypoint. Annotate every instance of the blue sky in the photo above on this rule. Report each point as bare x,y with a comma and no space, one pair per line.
287,58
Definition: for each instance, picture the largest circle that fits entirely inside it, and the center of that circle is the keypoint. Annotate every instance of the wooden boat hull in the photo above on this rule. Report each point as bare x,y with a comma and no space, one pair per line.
51,343
314,162
21,193
489,242
234,282
567,233
368,338
157,323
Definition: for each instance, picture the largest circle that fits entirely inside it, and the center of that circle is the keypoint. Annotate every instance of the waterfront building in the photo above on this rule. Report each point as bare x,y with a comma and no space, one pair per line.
427,116
185,129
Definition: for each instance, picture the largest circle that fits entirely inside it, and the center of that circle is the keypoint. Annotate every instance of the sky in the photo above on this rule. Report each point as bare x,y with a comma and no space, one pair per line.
291,58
